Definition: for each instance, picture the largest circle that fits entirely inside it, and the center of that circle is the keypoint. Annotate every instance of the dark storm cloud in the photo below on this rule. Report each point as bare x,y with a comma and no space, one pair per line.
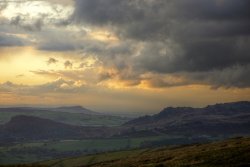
147,18
235,76
195,36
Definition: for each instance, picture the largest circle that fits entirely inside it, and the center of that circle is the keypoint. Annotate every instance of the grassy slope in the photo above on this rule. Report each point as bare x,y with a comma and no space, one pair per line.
233,152
37,151
69,118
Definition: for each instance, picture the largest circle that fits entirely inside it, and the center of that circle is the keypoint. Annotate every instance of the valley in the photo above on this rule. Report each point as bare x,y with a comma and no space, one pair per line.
28,137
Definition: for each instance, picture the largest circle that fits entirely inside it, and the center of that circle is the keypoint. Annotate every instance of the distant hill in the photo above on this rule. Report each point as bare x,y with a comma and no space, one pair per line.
74,115
219,119
186,123
29,128
75,109
233,152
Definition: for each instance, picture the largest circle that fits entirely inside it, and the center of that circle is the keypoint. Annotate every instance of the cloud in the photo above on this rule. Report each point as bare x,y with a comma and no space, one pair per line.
161,43
87,76
36,25
57,86
20,76
58,40
35,15
52,61
174,37
236,76
3,5
44,22
58,46
9,40
68,64
147,18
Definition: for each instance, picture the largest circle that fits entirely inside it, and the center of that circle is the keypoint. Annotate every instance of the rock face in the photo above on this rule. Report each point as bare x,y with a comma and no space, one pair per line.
228,118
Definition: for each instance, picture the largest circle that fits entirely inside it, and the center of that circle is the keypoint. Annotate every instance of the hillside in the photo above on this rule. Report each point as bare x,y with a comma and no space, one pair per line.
27,139
219,119
29,128
74,115
232,152
187,124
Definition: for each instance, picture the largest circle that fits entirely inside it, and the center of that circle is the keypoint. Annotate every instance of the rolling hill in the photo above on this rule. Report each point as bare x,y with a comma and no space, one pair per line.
220,120
29,128
74,115
28,138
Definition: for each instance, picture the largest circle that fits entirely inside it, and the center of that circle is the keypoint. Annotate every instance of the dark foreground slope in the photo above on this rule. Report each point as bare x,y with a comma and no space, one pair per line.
233,152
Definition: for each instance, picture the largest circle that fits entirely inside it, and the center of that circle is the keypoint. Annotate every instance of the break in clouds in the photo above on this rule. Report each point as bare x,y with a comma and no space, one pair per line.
162,43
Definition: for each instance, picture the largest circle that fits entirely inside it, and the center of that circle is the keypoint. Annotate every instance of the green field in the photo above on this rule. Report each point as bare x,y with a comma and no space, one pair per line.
69,118
37,151
230,153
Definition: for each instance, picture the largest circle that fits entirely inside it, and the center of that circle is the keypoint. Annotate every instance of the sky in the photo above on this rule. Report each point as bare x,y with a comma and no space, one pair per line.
124,55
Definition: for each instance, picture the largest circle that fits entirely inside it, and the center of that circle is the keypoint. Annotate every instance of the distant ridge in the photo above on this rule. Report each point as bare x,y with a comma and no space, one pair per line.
227,118
76,109
74,115
69,109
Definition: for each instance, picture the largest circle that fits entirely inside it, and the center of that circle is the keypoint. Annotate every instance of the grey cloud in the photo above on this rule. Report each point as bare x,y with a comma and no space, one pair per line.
63,2
236,76
9,87
59,40
59,46
163,82
150,19
20,21
11,41
58,86
200,55
176,36
113,55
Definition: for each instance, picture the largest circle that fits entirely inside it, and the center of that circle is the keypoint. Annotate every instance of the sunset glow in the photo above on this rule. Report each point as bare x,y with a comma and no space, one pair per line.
73,52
